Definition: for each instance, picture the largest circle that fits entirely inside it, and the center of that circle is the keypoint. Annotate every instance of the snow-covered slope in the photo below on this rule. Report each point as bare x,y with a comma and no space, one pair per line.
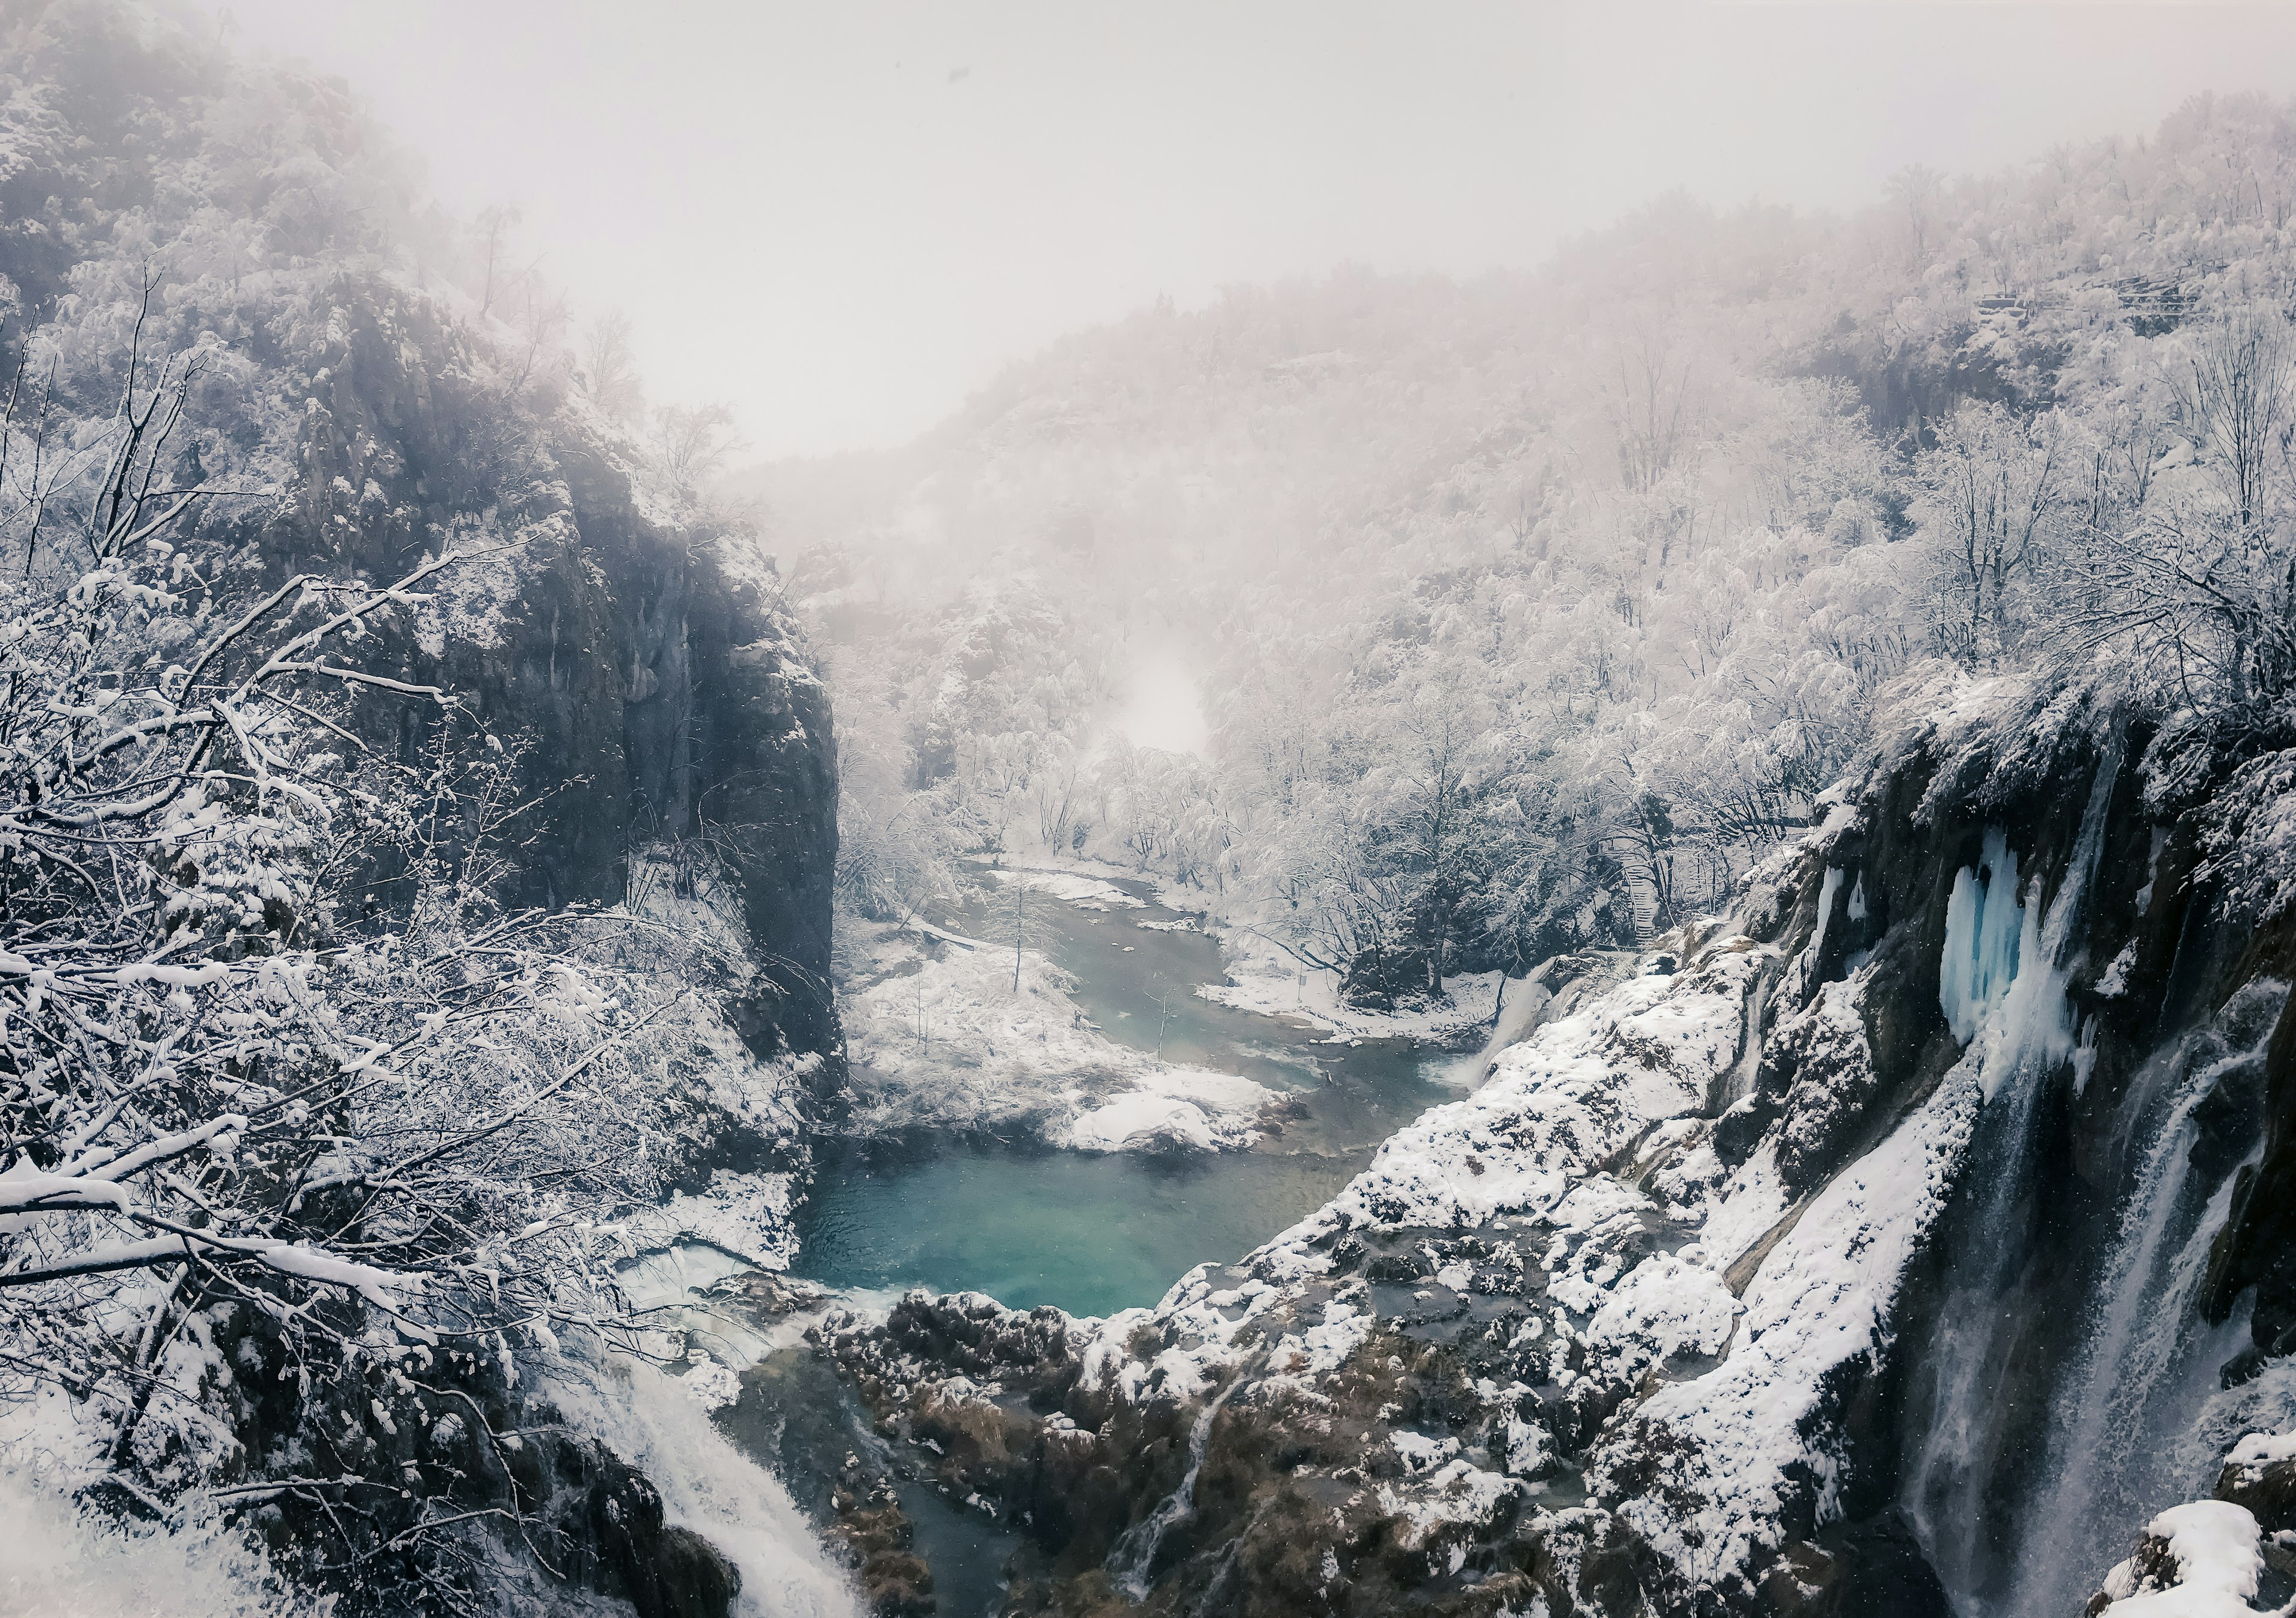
1679,1310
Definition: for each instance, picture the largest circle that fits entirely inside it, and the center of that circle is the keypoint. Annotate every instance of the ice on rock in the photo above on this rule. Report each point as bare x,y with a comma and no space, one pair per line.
1825,892
1984,933
2003,971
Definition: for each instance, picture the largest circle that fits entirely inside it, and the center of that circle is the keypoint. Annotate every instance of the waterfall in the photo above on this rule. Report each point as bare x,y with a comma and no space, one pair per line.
2147,1362
2001,984
1949,1474
1739,1083
1133,1559
1509,1025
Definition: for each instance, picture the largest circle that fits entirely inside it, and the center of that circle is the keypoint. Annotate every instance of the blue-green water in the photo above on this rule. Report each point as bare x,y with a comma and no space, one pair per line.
1093,1233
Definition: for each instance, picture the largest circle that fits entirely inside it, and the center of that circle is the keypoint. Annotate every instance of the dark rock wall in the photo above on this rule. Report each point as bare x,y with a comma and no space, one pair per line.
2040,1255
661,697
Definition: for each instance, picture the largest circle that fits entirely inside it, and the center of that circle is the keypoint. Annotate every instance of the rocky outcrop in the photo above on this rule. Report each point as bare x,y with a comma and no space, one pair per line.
446,1476
1760,1281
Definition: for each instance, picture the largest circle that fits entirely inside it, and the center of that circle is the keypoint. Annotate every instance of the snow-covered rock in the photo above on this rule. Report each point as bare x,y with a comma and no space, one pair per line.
942,1037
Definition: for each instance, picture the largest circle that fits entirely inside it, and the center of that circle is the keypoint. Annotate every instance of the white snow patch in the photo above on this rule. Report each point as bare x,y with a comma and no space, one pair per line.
2218,1565
1574,1093
1663,1308
1457,1492
2263,1450
1070,887
747,1215
941,1037
1821,1298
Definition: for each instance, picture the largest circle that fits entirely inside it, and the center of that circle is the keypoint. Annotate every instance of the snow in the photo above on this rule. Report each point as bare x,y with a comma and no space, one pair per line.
1820,1300
1137,1119
2218,1565
1748,1208
748,1216
1325,1347
1664,1307
2114,980
1087,892
1418,1452
939,1037
1573,1094
1628,1067
1457,1492
1265,980
711,1383
2263,1450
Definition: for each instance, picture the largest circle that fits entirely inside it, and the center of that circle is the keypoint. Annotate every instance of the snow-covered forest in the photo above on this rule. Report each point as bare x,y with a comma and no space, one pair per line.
1600,940
1531,612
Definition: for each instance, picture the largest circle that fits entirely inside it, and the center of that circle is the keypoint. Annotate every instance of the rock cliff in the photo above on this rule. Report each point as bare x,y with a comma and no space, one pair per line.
660,695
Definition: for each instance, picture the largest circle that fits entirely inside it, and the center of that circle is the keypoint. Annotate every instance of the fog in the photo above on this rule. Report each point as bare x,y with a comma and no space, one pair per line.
1542,761
841,219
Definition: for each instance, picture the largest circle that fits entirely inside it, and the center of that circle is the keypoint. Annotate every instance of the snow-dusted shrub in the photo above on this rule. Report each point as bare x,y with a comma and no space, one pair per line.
255,1129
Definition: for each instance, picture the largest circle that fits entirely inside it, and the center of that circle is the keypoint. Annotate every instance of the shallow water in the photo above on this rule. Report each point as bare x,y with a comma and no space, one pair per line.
1094,1234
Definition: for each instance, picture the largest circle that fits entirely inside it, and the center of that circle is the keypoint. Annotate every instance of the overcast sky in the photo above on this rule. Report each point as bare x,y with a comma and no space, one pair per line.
841,218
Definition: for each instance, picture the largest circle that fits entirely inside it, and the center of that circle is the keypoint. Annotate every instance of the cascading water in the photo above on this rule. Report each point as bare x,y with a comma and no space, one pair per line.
2001,988
1741,1082
2148,1362
1133,1560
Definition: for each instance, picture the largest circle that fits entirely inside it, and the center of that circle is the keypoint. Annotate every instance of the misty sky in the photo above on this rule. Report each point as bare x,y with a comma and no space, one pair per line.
841,218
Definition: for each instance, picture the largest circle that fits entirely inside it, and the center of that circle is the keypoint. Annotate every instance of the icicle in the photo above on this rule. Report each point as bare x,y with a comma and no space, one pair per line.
1984,933
1825,892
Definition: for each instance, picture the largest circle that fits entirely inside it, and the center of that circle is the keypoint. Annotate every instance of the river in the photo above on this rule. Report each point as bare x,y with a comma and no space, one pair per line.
1093,1233
1088,1232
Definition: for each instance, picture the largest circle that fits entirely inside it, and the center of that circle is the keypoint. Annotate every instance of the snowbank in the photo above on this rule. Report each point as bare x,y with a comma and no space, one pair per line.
750,1216
1576,1092
941,1039
1264,979
2214,1548
1079,887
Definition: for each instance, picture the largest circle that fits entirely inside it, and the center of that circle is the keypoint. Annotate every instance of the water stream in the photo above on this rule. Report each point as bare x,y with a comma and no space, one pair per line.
2002,986
2148,1362
1028,1225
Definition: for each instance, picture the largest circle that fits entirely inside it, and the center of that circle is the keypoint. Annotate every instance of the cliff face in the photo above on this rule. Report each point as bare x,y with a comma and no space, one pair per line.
633,720
659,694
1880,1247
